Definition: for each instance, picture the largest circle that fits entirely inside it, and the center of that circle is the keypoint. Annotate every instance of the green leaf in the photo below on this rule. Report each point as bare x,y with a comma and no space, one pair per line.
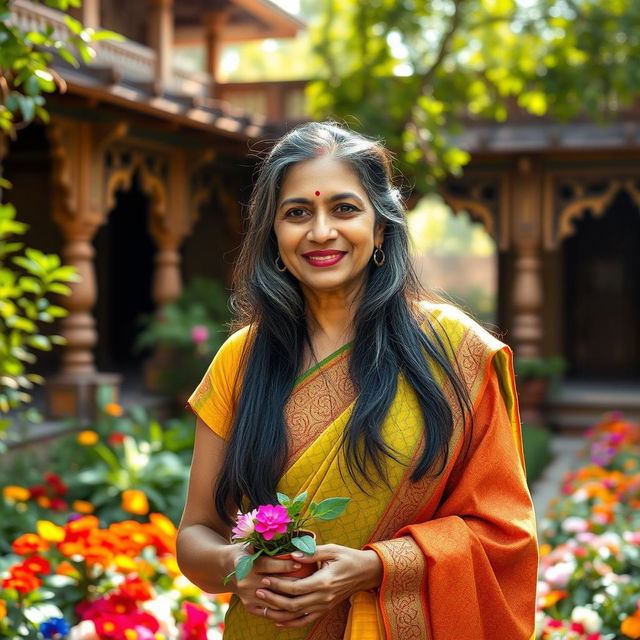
73,25
331,508
283,499
104,34
306,544
244,566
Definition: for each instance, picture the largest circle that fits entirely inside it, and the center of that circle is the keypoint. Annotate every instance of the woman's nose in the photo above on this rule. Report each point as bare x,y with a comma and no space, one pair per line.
322,229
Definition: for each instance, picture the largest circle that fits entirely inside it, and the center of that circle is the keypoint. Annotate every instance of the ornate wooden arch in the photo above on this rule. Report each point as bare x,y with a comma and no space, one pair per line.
484,197
570,196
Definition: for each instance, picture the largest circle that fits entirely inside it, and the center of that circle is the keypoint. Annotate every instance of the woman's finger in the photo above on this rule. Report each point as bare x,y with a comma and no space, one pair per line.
265,565
299,605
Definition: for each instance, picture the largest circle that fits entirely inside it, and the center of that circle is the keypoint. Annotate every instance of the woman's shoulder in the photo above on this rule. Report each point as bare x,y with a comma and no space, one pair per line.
457,326
232,348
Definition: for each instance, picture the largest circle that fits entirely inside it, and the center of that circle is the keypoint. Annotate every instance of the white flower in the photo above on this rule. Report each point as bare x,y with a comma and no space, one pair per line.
161,609
588,618
84,630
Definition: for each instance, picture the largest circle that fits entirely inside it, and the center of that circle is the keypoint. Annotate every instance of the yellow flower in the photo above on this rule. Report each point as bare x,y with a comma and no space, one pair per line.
16,493
125,563
134,501
130,634
113,409
545,549
82,506
87,437
49,531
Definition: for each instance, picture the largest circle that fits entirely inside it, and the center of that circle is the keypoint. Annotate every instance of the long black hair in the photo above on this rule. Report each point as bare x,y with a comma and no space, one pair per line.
392,335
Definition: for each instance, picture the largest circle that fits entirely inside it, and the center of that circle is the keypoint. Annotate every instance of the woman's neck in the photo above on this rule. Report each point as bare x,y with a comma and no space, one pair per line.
330,317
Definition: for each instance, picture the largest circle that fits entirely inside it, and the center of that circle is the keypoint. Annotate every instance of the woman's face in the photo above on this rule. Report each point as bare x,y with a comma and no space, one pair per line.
325,226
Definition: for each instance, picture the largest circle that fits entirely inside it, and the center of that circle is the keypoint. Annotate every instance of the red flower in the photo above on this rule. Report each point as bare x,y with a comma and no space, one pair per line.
37,490
115,438
578,627
58,504
195,625
37,564
21,580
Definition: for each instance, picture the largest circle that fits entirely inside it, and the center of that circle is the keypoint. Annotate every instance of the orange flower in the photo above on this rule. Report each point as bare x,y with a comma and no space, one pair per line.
87,437
67,569
631,625
82,506
49,531
545,550
44,502
37,564
223,598
113,409
13,492
21,580
29,543
134,501
3,609
551,598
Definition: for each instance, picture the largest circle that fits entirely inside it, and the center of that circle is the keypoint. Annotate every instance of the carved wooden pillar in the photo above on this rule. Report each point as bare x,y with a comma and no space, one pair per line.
77,149
91,14
161,40
527,232
213,24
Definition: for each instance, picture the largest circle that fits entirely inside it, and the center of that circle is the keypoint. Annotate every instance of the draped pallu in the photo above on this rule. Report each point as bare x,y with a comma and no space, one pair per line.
459,550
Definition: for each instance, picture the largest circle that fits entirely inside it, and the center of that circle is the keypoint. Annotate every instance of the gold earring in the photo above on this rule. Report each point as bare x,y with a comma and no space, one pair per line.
379,257
280,265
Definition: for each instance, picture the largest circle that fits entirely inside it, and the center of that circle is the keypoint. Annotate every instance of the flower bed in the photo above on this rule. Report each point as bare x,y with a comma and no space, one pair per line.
84,553
589,586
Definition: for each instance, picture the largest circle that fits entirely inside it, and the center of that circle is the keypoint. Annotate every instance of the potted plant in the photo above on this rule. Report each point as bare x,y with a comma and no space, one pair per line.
184,337
278,530
535,376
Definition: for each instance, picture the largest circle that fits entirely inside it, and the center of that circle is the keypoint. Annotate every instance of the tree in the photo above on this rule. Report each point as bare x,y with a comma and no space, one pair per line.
29,277
413,72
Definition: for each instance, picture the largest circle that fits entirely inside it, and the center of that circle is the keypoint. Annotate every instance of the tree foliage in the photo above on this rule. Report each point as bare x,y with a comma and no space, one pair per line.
28,277
413,72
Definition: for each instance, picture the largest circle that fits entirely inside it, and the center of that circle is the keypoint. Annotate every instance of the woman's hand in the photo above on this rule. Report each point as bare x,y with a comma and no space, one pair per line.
296,603
262,567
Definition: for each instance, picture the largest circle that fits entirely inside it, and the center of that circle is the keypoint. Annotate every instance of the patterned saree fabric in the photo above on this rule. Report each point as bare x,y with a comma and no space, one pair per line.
458,550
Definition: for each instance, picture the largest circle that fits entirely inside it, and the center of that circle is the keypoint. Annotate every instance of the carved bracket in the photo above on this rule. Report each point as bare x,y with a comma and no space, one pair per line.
570,196
484,197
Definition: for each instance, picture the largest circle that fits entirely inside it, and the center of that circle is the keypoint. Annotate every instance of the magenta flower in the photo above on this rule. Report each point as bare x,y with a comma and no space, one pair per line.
244,525
271,519
199,334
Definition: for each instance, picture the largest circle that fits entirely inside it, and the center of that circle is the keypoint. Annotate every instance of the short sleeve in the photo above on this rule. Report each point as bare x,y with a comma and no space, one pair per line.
213,400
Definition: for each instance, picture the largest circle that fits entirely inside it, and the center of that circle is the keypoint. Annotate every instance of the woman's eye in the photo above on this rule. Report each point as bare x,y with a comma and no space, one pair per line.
295,213
346,208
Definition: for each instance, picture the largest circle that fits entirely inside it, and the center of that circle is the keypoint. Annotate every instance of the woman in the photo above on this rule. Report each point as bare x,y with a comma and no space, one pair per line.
343,382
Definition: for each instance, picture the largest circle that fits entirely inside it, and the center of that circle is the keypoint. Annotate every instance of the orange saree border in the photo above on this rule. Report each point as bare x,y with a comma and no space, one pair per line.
317,401
404,612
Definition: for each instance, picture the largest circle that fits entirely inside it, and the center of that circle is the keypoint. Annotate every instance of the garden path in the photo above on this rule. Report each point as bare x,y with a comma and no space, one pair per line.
563,449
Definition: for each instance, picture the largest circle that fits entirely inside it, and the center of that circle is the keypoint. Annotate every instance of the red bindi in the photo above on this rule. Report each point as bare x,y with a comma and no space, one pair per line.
317,193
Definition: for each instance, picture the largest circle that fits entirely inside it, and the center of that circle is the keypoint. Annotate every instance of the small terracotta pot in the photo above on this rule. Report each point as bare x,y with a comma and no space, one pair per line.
306,569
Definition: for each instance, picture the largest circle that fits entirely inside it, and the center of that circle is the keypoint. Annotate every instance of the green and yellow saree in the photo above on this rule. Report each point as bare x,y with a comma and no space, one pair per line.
459,551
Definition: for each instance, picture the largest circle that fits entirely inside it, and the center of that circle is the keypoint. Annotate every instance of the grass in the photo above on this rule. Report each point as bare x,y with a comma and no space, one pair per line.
537,450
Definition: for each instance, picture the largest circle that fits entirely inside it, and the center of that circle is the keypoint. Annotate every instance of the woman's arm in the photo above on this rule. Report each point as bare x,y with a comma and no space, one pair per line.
205,555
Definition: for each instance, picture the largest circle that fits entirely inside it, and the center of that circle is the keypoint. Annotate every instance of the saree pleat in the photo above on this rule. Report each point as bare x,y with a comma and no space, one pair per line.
458,551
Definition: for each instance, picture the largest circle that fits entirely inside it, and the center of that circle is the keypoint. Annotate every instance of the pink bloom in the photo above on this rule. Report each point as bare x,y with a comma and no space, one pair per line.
244,525
271,519
558,575
199,334
195,625
574,524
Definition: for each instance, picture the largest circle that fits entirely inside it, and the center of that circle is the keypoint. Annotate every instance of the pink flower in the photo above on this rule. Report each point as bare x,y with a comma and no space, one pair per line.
195,624
199,334
244,525
573,524
271,519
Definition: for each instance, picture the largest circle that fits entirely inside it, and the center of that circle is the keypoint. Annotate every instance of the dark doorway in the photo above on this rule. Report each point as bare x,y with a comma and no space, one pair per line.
602,294
124,265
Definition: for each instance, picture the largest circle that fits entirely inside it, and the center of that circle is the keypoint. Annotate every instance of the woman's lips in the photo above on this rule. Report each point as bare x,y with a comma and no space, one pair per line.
324,258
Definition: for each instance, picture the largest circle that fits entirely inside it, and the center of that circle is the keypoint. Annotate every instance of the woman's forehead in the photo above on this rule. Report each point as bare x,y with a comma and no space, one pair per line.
316,174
